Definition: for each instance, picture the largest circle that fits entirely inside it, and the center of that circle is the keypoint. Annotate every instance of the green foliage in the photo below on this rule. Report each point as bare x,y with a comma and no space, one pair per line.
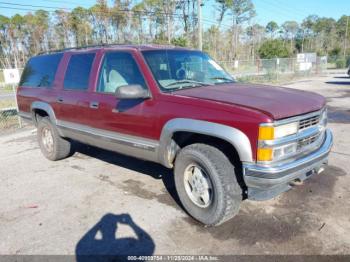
341,25
273,48
290,28
179,41
271,27
340,63
336,51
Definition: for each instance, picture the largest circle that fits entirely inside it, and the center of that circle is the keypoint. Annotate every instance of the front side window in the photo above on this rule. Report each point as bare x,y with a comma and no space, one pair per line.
40,71
78,71
119,69
177,69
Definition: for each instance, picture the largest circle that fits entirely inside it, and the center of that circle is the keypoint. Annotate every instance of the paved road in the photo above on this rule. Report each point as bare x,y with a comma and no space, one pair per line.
74,205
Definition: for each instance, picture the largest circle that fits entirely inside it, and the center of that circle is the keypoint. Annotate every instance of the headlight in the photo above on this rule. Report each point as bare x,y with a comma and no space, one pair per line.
279,141
275,132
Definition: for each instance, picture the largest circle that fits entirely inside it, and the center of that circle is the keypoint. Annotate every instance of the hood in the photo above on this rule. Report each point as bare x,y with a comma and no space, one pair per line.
277,102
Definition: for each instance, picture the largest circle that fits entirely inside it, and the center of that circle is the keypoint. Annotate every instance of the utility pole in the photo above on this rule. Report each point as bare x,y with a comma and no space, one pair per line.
168,7
346,35
199,7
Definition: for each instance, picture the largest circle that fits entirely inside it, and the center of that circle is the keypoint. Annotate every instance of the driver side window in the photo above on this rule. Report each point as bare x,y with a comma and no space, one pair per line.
118,69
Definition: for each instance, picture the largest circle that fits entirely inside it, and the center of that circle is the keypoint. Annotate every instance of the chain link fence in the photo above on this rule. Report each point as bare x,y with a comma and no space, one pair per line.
277,69
8,108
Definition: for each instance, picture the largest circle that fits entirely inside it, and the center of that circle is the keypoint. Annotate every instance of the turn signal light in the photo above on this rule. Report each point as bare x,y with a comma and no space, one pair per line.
266,132
265,154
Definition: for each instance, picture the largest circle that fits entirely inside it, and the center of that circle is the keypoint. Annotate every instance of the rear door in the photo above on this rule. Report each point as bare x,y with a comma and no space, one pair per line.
73,98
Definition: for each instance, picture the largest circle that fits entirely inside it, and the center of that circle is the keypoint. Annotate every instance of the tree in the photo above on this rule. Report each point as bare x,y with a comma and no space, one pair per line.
255,33
290,30
272,49
241,12
61,28
271,28
101,16
223,7
187,8
343,31
168,21
325,29
80,26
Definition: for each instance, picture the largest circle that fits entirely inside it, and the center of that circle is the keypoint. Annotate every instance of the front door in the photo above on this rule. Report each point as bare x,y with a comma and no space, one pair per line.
130,117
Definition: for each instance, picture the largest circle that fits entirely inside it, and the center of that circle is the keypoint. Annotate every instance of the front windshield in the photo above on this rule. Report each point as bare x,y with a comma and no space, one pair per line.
178,69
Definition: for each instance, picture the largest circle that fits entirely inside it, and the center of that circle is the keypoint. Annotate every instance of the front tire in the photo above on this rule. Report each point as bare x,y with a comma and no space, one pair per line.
206,184
52,145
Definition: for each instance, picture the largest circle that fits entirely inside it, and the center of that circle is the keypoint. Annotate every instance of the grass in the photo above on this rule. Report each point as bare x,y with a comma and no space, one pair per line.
6,89
8,103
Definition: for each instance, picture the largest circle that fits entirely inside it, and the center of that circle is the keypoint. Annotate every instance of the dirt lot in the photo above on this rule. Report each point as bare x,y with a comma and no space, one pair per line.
73,206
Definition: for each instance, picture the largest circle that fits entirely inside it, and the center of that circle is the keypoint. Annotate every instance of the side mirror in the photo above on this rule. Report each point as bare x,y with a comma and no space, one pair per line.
131,92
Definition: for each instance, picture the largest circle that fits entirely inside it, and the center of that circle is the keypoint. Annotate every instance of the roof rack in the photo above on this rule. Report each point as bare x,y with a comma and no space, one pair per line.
79,48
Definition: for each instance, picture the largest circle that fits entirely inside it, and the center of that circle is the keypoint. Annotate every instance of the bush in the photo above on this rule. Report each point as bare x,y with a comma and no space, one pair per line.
340,63
179,41
335,51
273,48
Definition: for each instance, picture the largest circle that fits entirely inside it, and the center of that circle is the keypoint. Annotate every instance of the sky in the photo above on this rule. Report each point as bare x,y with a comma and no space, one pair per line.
267,10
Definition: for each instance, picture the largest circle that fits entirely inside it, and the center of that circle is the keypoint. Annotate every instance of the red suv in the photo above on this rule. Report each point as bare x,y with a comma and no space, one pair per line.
226,141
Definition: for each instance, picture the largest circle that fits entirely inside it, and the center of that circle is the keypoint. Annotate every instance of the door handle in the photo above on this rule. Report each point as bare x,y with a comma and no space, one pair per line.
60,100
94,104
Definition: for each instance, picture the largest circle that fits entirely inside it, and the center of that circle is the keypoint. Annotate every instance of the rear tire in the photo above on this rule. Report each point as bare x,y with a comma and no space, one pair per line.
52,145
221,201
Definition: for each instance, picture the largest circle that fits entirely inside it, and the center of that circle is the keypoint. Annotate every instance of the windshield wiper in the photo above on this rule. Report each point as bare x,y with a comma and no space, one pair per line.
222,78
187,81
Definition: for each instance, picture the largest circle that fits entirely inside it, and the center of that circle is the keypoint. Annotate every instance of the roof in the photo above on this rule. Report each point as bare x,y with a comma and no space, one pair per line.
142,47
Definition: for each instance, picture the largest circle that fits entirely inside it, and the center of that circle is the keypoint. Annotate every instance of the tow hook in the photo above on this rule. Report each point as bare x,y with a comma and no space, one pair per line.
296,182
320,170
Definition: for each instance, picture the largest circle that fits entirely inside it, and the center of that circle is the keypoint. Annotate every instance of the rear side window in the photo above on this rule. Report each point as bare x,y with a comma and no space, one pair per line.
40,70
78,71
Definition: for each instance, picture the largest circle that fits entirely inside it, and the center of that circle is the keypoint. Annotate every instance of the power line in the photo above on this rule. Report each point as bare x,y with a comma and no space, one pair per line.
25,8
282,11
39,6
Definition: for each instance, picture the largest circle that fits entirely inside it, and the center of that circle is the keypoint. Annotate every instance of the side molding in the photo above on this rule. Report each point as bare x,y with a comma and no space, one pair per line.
232,135
46,107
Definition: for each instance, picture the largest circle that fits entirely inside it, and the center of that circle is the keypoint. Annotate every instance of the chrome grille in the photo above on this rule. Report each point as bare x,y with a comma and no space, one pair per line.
309,122
314,140
307,141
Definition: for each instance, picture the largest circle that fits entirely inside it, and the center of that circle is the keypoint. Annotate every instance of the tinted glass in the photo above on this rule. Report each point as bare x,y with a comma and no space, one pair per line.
178,69
78,71
119,69
40,71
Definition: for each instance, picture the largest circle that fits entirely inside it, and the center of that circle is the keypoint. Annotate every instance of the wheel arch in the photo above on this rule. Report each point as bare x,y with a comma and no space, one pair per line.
44,107
235,137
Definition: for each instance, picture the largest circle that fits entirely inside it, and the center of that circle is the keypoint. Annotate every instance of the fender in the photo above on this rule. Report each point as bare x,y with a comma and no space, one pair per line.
232,135
45,107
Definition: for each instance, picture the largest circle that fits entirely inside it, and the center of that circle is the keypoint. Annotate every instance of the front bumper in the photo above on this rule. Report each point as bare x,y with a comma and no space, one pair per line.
266,182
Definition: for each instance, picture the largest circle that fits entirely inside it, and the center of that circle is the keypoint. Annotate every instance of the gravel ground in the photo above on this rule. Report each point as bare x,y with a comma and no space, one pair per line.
103,202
